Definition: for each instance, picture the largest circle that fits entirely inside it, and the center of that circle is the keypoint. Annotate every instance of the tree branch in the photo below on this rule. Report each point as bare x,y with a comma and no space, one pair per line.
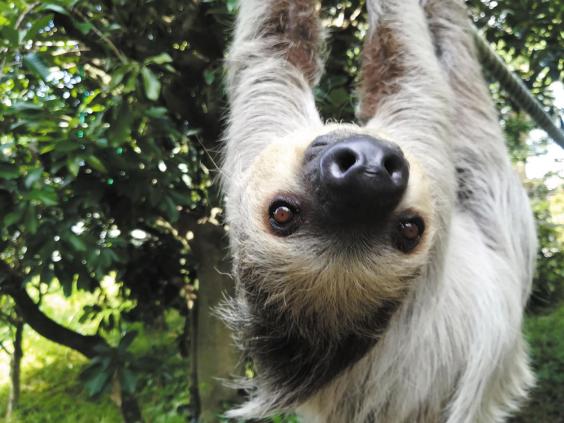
30,312
4,348
44,326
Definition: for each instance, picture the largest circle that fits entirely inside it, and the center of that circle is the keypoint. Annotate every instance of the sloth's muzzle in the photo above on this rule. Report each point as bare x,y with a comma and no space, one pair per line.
357,179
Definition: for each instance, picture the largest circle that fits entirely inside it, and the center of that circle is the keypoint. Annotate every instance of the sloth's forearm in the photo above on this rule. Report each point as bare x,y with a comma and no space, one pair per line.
273,62
404,93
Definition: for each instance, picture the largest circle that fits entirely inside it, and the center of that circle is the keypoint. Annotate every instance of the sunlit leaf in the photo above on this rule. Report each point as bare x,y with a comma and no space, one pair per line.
33,177
55,8
96,164
156,112
47,196
34,63
73,165
160,59
37,26
151,84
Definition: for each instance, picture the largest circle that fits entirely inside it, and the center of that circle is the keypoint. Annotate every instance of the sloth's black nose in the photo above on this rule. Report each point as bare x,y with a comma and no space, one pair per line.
361,177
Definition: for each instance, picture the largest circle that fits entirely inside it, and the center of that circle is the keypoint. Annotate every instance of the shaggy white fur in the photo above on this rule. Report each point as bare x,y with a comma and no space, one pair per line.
361,332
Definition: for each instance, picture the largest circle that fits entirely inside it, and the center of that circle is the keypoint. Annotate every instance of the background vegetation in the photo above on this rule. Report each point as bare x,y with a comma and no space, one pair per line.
110,223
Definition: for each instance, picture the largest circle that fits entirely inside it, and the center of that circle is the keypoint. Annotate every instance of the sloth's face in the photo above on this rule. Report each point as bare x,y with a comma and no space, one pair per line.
332,227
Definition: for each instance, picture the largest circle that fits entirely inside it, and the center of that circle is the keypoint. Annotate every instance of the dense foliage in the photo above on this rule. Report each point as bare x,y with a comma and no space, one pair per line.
110,122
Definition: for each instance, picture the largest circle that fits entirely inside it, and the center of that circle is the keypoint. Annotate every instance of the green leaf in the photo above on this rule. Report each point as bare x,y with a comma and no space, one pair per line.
338,97
232,5
33,62
182,199
209,76
73,165
170,209
151,83
55,8
100,362
77,243
84,27
160,59
156,112
12,218
37,26
96,164
128,381
126,340
98,382
32,177
121,125
30,219
102,349
47,196
8,171
11,35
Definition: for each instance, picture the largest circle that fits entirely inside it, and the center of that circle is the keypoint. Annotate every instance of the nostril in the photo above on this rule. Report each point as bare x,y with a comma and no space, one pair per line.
345,159
393,164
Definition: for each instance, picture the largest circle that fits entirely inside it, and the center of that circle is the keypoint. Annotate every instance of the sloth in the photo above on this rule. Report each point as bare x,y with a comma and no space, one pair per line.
381,267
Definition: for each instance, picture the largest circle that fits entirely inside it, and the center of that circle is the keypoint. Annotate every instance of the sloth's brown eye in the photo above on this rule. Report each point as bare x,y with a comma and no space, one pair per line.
409,232
283,216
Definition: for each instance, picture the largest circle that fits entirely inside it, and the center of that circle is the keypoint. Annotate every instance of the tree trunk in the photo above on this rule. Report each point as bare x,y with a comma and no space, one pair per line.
215,353
15,370
192,328
130,410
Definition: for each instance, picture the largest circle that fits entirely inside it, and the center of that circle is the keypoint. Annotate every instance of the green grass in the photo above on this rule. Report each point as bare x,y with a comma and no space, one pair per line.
51,390
546,339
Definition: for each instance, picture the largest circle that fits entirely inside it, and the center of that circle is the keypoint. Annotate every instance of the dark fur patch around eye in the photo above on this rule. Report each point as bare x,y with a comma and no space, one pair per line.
408,232
289,206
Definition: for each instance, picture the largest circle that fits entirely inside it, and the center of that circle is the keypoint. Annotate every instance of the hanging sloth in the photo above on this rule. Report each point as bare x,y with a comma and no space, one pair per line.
382,268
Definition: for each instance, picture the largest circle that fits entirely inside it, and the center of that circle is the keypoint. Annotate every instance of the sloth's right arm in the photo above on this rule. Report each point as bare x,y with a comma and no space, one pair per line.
405,96
272,65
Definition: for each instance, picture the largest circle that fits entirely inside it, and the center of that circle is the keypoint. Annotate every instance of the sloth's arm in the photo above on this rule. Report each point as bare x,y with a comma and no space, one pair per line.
482,161
272,65
401,79
405,96
487,186
491,193
451,31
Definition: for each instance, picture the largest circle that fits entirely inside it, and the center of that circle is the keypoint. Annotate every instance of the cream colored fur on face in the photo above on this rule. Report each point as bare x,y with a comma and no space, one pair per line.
330,284
453,352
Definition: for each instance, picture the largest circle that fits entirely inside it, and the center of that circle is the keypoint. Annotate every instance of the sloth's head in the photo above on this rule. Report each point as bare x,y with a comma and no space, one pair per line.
331,228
